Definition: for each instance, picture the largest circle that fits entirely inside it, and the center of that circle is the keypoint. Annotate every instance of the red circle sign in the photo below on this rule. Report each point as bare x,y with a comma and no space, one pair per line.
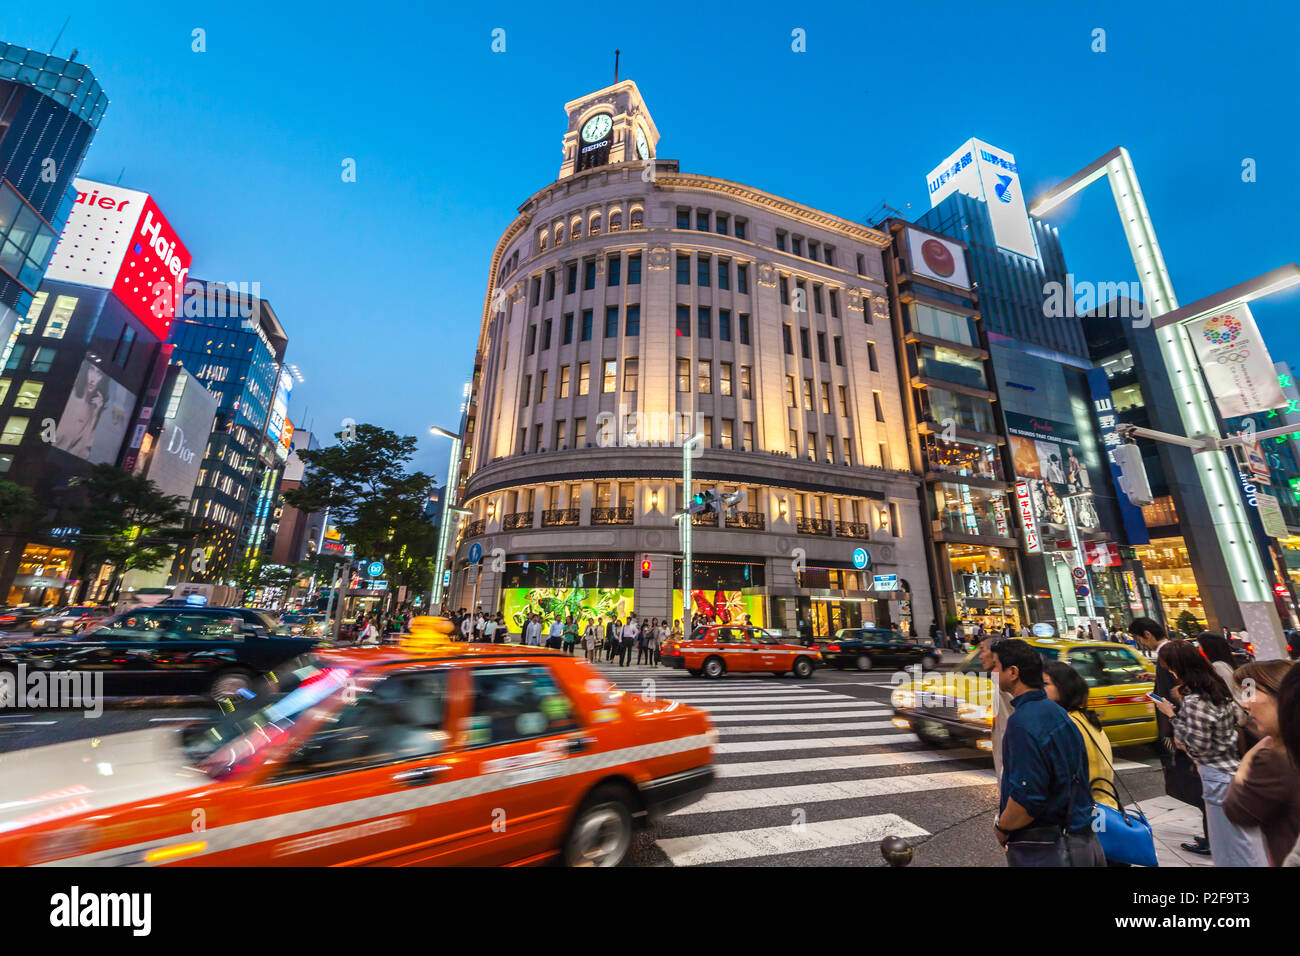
938,258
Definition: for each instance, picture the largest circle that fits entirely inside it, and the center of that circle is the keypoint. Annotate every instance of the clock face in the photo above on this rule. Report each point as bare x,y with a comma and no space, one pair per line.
596,128
642,147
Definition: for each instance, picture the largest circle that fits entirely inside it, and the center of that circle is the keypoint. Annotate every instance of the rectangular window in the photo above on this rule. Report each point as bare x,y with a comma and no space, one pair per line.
895,528
707,422
789,339
633,322
550,285
564,381
561,428
532,340
720,222
611,375
862,265
546,335
29,393
683,375
807,395
589,273
702,270
541,386
830,255
724,324
780,239
794,443
527,392
817,297
537,439
871,357
826,398
568,328
747,438
728,426
784,285
742,323
683,217
704,323
812,446
740,228
804,348
584,378
611,321
880,409
790,400
4,389
835,303
848,452
821,347
702,220
705,377
797,246
684,320
579,433
60,316
15,357
535,291
520,447
844,402
744,382
586,325
44,359
613,270
839,351
724,378
571,278
742,278
683,270
15,428
724,274
634,269
630,374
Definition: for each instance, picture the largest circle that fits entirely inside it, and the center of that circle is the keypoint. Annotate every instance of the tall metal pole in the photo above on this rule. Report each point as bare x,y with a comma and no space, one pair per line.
686,533
444,527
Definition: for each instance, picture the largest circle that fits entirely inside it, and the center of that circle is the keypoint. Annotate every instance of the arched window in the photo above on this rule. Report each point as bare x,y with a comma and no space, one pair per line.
575,227
541,241
593,228
615,221
637,217
559,233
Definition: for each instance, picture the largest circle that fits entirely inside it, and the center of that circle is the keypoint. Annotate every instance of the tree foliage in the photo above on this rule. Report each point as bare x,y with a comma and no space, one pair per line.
17,504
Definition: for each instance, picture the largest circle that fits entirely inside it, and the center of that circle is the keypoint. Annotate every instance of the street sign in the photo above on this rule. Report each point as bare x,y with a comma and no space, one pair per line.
1082,590
375,568
861,559
446,578
475,553
1079,574
379,585
885,582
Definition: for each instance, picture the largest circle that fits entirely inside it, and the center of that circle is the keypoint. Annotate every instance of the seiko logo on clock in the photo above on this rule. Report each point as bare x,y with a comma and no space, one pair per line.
600,145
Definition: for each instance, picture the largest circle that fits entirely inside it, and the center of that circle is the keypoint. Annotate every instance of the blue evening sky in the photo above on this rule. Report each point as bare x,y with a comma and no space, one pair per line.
380,282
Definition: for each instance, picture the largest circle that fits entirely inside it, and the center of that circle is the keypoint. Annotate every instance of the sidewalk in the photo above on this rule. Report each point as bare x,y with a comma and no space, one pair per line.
1174,822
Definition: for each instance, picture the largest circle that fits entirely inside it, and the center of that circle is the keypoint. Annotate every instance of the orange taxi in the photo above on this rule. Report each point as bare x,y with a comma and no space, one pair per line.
438,755
729,648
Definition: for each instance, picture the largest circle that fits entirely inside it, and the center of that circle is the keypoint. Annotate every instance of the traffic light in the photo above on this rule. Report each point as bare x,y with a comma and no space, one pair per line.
645,567
711,502
1132,474
701,503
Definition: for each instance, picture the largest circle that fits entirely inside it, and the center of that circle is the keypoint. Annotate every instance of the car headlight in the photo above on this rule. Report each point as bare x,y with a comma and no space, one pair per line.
975,713
40,622
903,697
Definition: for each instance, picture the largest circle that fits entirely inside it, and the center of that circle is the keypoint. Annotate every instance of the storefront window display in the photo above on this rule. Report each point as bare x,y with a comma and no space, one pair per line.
583,604
984,586
963,509
1169,571
42,573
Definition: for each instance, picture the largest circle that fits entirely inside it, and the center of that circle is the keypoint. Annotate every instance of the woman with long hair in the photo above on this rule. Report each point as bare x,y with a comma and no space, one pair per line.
1265,790
1205,726
1064,685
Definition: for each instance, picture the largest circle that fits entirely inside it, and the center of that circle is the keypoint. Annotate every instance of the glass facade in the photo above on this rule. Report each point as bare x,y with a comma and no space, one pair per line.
964,509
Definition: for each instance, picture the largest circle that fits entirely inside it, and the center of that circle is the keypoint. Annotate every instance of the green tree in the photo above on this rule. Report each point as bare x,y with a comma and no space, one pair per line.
17,504
126,519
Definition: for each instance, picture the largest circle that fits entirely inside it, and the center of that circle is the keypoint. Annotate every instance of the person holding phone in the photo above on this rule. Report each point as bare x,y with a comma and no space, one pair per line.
1205,726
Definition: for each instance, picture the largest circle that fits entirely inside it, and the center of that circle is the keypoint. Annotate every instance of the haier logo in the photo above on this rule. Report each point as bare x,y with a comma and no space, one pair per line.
1003,188
151,229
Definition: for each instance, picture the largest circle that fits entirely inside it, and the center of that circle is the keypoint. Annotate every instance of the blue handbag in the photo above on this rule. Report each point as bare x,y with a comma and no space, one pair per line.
1124,834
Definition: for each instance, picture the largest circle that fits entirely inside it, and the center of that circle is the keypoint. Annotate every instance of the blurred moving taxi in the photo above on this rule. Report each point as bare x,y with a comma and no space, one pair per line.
463,754
722,648
958,706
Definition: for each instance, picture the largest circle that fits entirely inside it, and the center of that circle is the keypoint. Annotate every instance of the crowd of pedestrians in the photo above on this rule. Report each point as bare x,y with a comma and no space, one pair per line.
615,638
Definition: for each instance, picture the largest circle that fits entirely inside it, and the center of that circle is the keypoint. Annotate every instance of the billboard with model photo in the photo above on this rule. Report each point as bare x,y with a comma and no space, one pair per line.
96,416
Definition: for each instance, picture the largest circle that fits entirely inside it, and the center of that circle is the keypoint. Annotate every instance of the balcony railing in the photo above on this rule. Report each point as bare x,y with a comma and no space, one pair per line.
814,526
852,529
517,519
706,519
475,528
621,515
748,519
559,516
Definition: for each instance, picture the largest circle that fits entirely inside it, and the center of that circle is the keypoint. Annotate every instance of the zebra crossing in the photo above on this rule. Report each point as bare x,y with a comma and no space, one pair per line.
808,772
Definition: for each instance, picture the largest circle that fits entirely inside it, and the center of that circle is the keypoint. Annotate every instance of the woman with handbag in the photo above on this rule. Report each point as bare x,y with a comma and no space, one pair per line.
1205,726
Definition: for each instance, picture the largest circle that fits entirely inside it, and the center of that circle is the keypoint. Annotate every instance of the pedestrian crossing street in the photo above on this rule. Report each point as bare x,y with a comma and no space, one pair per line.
809,774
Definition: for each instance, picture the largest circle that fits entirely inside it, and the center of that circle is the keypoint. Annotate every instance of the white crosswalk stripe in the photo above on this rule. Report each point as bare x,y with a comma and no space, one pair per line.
811,728
769,841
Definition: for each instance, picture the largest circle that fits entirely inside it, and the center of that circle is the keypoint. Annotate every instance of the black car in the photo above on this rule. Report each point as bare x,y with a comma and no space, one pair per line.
865,647
20,618
167,651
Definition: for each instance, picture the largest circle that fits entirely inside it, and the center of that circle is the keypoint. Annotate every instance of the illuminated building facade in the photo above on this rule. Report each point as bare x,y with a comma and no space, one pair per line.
629,305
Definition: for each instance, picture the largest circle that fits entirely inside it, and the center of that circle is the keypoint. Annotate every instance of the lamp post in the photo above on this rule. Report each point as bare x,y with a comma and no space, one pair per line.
684,517
448,508
1218,483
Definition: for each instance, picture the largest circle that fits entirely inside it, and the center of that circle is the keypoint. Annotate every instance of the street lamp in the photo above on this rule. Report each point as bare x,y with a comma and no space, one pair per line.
1218,484
684,517
448,508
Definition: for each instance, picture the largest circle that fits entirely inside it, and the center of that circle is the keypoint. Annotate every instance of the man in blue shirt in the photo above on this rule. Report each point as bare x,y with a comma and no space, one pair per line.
1045,817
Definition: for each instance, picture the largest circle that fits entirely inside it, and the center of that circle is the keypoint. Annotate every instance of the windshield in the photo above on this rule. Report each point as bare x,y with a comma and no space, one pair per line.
226,742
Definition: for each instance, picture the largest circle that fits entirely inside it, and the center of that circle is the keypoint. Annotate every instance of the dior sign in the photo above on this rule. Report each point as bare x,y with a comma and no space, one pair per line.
176,445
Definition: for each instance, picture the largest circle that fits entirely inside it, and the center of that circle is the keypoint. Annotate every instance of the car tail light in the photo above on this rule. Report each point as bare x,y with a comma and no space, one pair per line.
833,648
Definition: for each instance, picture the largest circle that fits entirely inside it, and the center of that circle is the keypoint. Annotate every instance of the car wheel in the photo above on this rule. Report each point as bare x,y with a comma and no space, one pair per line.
864,662
714,668
936,735
803,668
229,684
601,834
929,660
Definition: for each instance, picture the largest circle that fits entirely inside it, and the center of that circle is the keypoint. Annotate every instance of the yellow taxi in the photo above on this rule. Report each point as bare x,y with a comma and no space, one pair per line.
958,706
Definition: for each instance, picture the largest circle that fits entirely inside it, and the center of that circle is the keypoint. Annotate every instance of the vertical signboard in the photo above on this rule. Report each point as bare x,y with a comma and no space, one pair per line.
988,173
1135,526
1025,505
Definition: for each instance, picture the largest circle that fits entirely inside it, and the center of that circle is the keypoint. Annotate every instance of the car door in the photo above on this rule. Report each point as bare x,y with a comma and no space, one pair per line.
520,733
195,648
1120,699
735,648
124,650
363,788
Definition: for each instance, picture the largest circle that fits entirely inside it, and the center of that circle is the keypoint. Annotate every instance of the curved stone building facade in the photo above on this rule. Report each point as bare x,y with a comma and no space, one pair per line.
630,305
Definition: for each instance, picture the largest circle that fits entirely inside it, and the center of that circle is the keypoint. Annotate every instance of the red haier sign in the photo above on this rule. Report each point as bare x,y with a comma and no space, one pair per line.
118,239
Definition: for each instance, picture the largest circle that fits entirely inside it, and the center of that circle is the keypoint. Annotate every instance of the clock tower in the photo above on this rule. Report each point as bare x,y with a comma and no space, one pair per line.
608,126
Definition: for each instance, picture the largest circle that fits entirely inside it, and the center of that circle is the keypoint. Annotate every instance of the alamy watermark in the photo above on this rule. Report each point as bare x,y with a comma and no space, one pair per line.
1077,299
24,689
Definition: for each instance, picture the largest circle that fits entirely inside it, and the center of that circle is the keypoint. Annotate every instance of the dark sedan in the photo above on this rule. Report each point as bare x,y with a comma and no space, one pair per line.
165,651
867,647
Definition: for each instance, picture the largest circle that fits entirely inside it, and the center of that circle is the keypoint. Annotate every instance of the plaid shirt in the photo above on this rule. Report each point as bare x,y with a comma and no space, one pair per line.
1208,732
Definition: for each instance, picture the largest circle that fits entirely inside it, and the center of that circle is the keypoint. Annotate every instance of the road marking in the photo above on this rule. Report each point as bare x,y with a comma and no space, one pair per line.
771,841
816,743
809,728
867,710
163,720
718,802
887,758
801,705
